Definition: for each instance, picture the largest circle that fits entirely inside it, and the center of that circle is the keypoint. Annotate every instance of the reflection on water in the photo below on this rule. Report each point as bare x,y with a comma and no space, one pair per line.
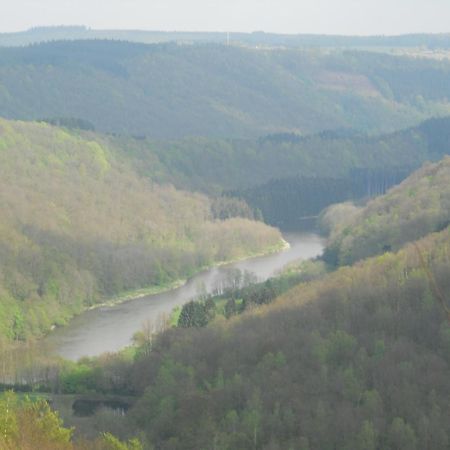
109,329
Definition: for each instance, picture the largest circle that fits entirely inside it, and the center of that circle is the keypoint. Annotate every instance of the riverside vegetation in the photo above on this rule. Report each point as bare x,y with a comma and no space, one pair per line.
78,225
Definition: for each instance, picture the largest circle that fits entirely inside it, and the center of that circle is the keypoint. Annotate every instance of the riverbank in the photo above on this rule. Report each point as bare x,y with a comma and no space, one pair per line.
111,329
172,285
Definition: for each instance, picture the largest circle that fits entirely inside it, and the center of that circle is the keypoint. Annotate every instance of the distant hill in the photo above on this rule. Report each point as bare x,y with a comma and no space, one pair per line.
225,164
172,91
45,34
288,176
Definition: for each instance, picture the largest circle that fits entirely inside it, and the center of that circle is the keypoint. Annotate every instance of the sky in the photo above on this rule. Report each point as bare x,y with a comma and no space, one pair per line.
349,17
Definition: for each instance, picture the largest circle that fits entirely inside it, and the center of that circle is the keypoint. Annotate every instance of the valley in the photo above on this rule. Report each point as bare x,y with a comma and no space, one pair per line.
209,246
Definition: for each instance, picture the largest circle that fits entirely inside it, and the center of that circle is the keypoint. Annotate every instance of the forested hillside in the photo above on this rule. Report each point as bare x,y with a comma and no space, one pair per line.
415,208
142,164
78,225
358,359
235,164
287,176
170,90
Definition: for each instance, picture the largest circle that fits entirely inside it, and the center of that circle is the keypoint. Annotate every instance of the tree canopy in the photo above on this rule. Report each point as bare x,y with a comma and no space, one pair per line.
78,226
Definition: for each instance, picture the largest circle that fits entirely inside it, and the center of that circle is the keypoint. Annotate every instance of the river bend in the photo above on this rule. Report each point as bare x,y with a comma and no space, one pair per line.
111,328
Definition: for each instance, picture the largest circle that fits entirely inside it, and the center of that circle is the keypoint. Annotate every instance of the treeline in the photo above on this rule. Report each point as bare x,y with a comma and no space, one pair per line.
78,225
45,34
370,163
71,123
417,207
172,91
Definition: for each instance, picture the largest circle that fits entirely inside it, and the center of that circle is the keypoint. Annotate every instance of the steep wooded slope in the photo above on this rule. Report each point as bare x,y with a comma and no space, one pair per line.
78,224
285,176
418,206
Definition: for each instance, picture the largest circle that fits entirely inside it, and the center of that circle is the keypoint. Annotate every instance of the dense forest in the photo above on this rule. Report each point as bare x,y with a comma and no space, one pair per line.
357,358
285,176
78,226
215,165
295,202
170,90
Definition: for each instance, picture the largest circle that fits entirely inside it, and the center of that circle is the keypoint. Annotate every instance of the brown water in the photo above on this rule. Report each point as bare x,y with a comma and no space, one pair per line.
109,329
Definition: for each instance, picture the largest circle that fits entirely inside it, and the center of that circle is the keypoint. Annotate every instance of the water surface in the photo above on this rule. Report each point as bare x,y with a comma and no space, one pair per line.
111,328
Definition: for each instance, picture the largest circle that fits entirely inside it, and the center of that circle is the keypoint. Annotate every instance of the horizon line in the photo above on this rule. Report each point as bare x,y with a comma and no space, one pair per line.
218,31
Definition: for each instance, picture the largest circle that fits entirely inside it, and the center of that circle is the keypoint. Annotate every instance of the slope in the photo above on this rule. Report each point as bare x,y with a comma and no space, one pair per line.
77,224
358,359
169,90
418,206
287,176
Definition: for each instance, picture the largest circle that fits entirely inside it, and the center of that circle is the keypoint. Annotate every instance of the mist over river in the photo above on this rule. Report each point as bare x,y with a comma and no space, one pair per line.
111,328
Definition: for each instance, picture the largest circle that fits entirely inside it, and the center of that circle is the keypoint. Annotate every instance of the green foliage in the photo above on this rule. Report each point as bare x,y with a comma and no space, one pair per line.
25,425
227,207
168,90
193,314
77,379
31,424
355,359
78,226
243,293
287,178
388,222
366,164
401,435
109,442
367,438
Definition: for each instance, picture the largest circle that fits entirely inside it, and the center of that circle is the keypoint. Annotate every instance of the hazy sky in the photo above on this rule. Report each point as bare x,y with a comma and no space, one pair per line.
283,16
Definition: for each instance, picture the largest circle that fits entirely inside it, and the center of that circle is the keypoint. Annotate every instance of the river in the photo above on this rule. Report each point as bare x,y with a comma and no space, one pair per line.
111,328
